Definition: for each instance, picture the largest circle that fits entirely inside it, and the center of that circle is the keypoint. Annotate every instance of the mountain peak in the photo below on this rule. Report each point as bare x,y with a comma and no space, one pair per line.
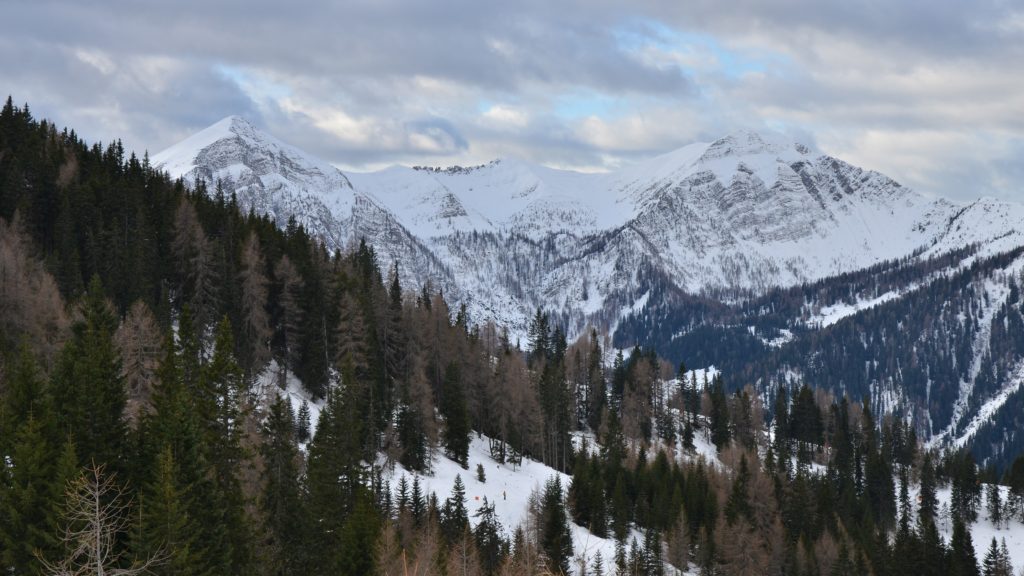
747,142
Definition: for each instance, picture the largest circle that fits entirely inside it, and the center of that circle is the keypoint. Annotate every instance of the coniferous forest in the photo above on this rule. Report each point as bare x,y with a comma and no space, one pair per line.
153,338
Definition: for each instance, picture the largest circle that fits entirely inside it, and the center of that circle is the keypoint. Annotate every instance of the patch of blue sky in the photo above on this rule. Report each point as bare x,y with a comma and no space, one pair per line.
255,85
586,103
570,105
646,34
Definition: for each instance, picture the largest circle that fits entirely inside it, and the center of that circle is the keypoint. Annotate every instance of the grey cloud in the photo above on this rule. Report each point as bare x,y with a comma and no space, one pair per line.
459,40
919,28
146,103
409,78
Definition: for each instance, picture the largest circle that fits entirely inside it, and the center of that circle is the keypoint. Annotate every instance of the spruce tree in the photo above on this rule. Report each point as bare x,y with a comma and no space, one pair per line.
166,526
990,565
334,473
220,389
962,559
454,518
88,386
652,562
738,504
487,535
282,506
302,425
720,432
928,501
417,505
556,541
456,415
966,487
174,426
358,536
995,504
26,509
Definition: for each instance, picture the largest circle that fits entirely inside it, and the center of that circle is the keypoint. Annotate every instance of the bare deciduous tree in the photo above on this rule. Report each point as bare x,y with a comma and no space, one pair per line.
196,255
30,302
97,514
291,314
139,343
255,320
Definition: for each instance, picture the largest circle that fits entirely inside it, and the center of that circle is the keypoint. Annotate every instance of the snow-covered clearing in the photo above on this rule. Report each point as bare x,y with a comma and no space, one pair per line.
507,486
982,531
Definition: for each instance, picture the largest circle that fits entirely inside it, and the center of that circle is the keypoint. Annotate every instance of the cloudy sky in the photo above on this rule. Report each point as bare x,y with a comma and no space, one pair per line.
930,92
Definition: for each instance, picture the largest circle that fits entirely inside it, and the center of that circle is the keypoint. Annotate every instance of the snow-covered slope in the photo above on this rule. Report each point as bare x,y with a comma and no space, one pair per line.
279,180
745,213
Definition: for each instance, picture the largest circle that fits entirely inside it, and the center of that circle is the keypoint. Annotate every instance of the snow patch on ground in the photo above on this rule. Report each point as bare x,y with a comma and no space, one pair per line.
509,487
506,486
998,291
982,531
268,382
829,315
991,406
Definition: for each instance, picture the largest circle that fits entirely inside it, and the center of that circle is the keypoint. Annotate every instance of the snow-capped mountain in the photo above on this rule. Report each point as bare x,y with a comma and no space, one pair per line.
283,182
742,214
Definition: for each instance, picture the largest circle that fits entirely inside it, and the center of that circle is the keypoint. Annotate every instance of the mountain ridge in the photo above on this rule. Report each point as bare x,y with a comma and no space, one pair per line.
745,213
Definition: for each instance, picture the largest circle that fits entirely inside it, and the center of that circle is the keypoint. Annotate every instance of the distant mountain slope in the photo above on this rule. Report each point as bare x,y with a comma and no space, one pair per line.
740,215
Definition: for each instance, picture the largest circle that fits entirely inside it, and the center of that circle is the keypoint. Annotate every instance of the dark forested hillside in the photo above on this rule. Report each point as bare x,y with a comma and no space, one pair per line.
152,336
949,324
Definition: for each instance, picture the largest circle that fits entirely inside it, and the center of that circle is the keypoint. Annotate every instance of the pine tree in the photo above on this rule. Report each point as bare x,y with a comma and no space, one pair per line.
454,518
290,317
335,475
219,395
620,509
928,501
995,505
966,487
456,415
302,424
990,565
174,426
1005,566
652,562
417,506
738,504
556,541
165,524
720,432
393,337
358,536
282,505
933,557
597,393
487,535
781,428
1014,478
27,501
88,386
962,560
598,567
